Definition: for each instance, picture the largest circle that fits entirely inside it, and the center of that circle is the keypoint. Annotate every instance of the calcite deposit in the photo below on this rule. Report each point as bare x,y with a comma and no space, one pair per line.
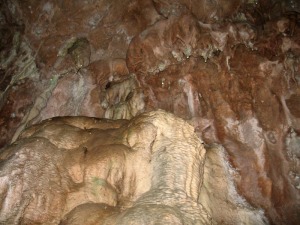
230,69
150,170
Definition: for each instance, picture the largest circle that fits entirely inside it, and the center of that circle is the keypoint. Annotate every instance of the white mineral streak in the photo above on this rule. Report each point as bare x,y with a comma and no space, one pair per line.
219,195
251,134
188,90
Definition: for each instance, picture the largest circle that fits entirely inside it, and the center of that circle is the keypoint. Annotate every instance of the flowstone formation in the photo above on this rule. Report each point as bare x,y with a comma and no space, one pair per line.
150,170
229,68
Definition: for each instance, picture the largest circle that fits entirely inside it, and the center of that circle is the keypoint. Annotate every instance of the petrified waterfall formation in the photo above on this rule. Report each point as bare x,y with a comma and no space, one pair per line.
149,170
230,69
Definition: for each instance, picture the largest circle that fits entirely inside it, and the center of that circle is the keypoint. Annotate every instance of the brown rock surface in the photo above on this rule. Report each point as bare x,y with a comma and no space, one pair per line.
230,68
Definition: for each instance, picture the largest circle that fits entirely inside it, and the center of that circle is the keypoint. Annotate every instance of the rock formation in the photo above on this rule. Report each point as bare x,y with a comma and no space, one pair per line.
228,68
149,170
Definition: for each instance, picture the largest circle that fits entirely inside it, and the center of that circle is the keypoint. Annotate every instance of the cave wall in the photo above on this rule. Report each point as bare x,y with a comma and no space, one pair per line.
231,69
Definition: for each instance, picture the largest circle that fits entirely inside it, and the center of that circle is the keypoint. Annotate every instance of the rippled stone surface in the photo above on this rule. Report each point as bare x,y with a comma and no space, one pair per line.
81,170
231,69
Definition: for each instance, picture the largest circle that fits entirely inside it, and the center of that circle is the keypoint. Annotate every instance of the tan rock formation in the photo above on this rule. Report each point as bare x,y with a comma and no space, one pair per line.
231,68
81,170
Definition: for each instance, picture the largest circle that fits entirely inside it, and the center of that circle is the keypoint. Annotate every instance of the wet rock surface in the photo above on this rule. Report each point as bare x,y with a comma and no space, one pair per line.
230,69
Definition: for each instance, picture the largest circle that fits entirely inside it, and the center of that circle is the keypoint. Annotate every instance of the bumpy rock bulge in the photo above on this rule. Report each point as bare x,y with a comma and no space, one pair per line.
80,170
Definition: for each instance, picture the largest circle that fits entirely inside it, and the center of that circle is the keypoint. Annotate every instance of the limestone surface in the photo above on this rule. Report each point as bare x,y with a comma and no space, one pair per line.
81,170
231,69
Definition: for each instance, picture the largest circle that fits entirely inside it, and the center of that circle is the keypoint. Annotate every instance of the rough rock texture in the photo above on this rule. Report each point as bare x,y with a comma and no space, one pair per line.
219,195
93,171
231,68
